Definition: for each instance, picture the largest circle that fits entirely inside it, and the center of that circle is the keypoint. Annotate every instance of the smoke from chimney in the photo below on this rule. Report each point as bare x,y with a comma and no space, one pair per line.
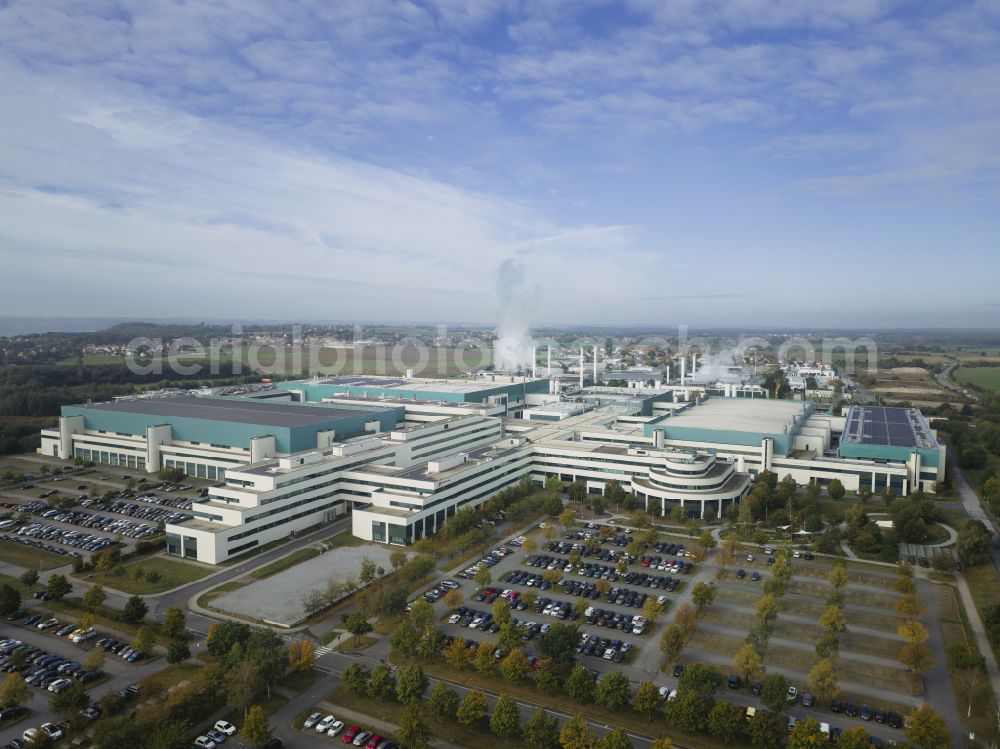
513,346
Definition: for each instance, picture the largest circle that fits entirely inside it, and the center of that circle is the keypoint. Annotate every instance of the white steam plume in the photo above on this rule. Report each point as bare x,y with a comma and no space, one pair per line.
512,349
715,367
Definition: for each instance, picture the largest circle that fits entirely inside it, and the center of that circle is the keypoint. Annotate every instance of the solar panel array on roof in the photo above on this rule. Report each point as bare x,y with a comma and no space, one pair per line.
896,427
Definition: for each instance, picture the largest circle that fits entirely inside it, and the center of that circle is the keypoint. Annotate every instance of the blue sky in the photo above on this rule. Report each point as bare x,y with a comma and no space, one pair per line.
726,162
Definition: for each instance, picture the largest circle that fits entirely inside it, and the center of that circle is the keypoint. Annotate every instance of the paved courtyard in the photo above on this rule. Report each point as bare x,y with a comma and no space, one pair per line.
279,599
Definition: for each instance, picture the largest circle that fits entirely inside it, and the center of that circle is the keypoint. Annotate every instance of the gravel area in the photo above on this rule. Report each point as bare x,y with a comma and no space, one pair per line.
278,599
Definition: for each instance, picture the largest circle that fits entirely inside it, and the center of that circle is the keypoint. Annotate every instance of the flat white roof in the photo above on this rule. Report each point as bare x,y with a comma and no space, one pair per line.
765,415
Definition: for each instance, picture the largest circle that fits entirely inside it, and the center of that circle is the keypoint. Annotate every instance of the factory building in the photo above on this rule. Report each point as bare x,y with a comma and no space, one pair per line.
401,455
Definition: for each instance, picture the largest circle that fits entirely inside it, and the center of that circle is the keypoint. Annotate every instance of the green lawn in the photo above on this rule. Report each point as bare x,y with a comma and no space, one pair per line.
159,682
344,538
280,565
984,377
298,681
173,573
28,556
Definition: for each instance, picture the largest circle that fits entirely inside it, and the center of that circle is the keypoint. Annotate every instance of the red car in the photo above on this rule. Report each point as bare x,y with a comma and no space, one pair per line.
351,733
373,742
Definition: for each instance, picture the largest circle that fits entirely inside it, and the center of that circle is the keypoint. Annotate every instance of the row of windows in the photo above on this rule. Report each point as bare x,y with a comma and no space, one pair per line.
283,521
110,458
428,447
197,470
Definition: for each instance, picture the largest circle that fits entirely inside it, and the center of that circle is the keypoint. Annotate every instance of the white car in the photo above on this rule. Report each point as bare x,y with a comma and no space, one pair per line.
336,727
87,634
46,623
324,725
312,720
797,554
53,731
225,727
664,691
454,618
60,685
203,742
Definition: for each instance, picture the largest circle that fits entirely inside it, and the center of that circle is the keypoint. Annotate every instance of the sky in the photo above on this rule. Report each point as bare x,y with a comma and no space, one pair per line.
723,162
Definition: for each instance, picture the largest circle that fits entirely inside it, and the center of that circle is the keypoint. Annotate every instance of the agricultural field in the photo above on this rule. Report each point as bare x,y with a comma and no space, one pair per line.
984,377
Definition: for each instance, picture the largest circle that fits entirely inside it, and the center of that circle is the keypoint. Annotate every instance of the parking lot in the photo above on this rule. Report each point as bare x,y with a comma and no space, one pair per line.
604,589
547,586
53,657
340,732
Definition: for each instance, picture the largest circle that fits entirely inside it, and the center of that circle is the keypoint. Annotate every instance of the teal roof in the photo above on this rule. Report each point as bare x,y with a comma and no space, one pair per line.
233,422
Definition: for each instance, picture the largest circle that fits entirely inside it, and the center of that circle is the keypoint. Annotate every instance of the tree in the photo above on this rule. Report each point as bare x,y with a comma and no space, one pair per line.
94,660
301,654
647,699
613,691
483,576
10,600
767,609
651,609
927,729
94,598
913,631
917,657
175,623
369,571
661,744
616,739
831,621
807,735
505,720
530,545
822,680
701,679
835,489
454,598
411,684
58,587
837,577
443,700
580,685
143,639
774,694
853,738
686,617
413,733
472,708
688,710
549,676
457,655
222,636
29,577
576,733
357,624
70,701
355,678
672,642
135,610
541,731
485,661
559,643
703,595
255,727
14,692
178,651
724,720
515,666
397,558
747,662
243,681
973,543
910,606
767,729
381,684
567,517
